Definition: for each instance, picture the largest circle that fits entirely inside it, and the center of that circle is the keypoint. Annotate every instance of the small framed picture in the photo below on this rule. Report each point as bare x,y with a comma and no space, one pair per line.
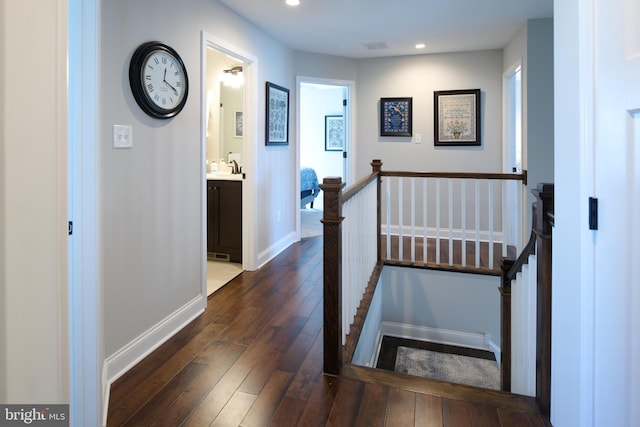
395,116
457,117
237,124
333,133
277,115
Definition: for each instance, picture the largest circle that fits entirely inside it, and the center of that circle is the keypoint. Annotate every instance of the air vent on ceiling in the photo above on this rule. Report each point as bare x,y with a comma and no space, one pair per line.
376,45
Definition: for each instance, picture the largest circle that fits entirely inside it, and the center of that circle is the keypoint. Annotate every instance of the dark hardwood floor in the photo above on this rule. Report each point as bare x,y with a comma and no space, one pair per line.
254,358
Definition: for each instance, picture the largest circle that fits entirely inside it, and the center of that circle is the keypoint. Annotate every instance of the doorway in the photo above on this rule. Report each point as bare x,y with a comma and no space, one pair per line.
228,138
325,143
513,158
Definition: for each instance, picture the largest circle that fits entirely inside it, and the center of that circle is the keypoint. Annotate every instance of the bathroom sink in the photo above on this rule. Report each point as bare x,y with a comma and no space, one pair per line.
226,176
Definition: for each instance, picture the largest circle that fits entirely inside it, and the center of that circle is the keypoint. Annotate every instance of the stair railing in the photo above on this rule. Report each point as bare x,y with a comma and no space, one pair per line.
351,250
514,313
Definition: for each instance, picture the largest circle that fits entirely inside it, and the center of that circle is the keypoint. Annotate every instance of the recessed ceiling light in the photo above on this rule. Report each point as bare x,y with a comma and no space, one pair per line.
293,2
420,46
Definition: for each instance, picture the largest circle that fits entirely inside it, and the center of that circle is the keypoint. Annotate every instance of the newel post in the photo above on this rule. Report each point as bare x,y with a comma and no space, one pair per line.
332,273
543,229
376,167
505,324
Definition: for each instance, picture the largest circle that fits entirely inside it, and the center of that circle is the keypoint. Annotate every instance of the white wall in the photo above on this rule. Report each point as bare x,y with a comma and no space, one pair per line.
418,77
533,45
33,211
325,66
442,301
152,192
539,101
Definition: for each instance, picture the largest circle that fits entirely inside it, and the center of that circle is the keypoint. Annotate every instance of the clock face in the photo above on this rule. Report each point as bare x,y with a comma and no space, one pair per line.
158,80
163,80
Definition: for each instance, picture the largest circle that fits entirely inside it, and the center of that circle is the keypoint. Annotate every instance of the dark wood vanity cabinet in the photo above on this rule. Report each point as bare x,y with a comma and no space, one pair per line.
224,220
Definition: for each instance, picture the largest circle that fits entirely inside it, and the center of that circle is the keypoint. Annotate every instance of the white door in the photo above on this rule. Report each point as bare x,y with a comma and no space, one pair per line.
596,300
617,187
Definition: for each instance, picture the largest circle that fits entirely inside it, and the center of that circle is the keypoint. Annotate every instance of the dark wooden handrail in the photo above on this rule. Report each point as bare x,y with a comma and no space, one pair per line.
362,183
508,271
540,243
529,249
459,175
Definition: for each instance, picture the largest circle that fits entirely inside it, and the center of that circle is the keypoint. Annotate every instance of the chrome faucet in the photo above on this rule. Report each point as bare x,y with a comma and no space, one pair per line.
235,169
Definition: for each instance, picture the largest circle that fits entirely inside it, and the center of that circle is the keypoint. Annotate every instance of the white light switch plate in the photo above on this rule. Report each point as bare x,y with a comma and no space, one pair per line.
122,136
418,138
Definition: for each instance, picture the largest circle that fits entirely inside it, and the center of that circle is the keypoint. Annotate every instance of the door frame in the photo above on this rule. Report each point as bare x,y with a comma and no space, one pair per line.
250,113
88,386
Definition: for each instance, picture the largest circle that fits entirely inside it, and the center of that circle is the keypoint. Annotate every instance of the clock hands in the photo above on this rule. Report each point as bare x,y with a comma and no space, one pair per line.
164,79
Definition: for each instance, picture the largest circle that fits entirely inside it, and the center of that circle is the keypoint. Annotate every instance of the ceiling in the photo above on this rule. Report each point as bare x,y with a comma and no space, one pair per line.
377,28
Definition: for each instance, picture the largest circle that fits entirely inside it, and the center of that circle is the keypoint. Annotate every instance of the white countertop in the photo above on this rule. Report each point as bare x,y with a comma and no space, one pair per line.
224,176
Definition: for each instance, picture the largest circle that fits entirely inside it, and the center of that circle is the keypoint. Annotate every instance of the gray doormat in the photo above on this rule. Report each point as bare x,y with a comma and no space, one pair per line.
448,367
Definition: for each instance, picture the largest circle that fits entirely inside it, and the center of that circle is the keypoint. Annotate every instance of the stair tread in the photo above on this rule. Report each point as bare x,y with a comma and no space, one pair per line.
440,388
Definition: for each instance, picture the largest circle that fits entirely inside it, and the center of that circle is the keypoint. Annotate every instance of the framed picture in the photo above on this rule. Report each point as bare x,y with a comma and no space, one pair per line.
395,116
237,124
277,115
333,133
457,117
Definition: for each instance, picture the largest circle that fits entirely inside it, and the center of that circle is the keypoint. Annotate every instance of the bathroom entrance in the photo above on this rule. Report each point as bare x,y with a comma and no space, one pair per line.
227,154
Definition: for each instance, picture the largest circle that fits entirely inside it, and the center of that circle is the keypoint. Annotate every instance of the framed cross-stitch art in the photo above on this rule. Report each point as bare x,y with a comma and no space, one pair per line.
333,133
457,117
395,116
277,115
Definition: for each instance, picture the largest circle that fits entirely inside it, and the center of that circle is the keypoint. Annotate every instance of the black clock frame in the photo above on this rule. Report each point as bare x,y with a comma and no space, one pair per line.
136,80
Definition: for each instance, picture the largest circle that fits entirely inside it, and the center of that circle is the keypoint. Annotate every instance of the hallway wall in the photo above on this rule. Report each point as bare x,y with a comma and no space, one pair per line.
152,212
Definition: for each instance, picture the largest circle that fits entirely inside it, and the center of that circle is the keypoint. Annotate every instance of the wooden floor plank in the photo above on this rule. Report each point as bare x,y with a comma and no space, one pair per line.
179,410
235,410
484,416
456,413
288,412
428,410
254,357
510,417
309,372
296,353
374,405
401,408
320,403
150,411
346,404
265,405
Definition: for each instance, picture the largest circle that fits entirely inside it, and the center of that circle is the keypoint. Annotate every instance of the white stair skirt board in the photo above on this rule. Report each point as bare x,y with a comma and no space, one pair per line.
124,359
441,336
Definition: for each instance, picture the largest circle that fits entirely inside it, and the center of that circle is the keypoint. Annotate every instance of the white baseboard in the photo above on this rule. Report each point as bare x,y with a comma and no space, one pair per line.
272,251
374,357
456,233
106,393
442,336
124,359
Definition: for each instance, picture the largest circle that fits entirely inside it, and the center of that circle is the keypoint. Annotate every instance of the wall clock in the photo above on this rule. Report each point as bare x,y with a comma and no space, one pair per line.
158,80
